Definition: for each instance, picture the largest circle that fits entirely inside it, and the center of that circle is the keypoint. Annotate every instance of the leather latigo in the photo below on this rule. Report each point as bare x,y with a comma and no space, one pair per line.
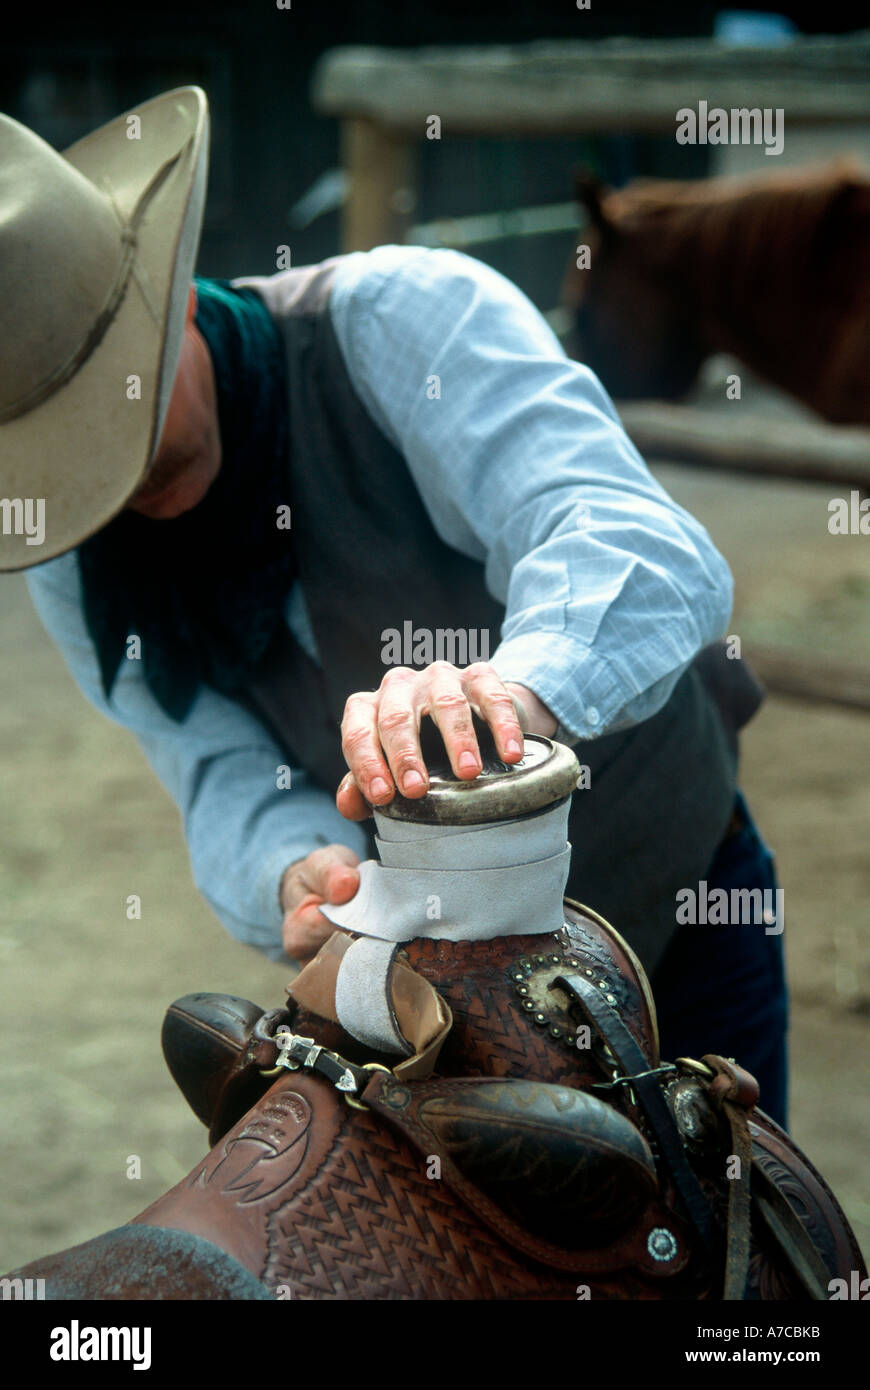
514,1171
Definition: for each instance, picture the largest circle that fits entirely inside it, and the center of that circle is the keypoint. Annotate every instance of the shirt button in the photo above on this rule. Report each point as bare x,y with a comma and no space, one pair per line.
592,716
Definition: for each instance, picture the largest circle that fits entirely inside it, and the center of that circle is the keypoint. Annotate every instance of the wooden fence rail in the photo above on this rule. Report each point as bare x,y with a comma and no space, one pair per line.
385,98
597,85
788,672
805,451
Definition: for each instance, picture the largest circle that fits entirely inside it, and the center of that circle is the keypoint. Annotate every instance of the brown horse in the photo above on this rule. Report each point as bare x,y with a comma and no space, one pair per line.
772,268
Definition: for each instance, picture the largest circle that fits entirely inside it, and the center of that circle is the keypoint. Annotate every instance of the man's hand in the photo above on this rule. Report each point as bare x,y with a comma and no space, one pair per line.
381,729
327,875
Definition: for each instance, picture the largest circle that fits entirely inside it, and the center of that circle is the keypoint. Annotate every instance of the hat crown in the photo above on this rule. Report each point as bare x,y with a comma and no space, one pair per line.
62,249
97,251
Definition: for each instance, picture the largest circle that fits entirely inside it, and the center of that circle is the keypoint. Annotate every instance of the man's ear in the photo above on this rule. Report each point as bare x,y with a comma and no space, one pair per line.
590,192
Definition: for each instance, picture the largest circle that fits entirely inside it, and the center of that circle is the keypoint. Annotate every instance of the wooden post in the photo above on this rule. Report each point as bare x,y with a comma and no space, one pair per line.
381,166
811,678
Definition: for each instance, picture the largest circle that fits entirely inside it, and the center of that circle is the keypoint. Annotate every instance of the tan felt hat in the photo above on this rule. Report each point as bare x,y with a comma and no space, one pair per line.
97,250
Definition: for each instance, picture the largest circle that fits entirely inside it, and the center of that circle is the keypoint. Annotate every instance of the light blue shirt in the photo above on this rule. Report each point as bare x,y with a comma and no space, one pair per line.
518,454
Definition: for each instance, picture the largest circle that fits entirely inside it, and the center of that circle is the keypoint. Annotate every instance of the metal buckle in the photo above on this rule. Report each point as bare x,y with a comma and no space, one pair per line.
295,1052
367,1066
695,1068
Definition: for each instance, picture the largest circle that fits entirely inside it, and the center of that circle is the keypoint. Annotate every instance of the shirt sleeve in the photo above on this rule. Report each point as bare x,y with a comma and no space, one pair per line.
517,451
220,766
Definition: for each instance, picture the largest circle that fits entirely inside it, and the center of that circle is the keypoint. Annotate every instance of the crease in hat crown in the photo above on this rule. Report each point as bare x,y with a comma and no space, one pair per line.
97,253
84,302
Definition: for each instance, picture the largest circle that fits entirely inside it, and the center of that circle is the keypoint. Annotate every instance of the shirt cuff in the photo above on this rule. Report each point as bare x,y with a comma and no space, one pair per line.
579,689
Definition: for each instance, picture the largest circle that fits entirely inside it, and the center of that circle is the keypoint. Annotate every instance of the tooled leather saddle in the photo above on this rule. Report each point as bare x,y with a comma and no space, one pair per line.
534,1146
525,1167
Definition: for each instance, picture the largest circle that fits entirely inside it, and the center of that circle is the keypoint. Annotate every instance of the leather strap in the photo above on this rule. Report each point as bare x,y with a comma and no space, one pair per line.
364,996
421,1015
739,1234
734,1091
633,1062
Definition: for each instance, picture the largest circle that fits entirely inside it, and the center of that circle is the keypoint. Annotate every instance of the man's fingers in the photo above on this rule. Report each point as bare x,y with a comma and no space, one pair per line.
381,731
341,882
498,709
360,744
305,931
326,875
398,729
350,800
310,876
307,912
447,703
332,866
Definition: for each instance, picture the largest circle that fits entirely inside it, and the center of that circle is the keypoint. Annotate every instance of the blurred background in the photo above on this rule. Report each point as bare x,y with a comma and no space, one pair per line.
79,66
83,822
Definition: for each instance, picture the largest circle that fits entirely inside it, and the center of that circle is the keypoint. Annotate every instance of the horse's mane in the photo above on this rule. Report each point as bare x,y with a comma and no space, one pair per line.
776,268
712,222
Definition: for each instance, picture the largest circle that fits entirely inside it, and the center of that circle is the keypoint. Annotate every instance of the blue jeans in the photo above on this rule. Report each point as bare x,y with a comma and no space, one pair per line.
722,988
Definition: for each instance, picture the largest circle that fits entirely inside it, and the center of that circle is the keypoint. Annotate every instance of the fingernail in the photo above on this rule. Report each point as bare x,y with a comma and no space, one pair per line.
468,762
411,781
513,747
380,787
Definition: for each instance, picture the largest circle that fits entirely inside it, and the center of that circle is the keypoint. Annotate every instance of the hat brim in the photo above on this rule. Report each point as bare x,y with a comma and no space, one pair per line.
85,450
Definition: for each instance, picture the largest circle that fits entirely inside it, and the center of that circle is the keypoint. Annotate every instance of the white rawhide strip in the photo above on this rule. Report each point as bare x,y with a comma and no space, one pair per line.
456,883
362,995
462,883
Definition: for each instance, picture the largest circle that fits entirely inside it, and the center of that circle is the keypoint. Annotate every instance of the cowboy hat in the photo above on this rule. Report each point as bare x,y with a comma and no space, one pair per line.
97,248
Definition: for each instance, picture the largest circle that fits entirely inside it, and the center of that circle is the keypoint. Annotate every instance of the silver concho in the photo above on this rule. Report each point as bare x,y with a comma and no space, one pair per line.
661,1244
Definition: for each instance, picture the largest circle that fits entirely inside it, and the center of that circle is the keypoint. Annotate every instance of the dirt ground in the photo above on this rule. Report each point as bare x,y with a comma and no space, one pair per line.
84,823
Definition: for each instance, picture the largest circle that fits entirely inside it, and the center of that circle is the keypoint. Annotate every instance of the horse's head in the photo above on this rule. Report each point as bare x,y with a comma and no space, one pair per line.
634,325
754,265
